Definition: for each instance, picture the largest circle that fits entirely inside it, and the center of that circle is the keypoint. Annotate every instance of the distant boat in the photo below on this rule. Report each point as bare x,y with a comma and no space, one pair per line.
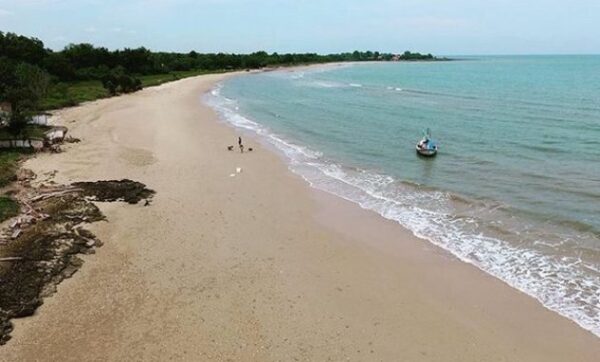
427,147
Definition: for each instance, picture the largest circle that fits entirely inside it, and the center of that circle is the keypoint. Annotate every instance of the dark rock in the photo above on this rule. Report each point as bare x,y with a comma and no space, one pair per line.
45,253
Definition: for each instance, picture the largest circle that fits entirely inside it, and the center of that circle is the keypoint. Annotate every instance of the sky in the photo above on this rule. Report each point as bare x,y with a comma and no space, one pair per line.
441,27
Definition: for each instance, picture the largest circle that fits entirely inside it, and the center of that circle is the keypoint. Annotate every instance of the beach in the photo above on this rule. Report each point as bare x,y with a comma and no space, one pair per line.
258,266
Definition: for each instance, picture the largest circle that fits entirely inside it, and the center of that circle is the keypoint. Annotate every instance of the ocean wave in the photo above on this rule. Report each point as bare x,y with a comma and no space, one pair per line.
324,84
561,283
298,75
397,89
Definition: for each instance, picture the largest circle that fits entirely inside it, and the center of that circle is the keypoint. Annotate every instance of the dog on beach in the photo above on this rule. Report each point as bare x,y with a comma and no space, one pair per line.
230,148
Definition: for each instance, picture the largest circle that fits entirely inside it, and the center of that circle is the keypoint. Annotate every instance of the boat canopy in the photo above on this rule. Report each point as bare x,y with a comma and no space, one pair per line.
427,141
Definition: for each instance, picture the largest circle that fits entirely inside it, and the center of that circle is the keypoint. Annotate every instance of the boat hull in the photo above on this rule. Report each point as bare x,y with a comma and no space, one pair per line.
426,153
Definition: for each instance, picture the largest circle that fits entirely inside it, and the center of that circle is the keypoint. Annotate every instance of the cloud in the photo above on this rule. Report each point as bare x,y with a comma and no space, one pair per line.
90,29
6,12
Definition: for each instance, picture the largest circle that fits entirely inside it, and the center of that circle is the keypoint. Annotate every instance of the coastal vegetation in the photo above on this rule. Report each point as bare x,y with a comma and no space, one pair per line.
8,208
34,78
65,94
8,166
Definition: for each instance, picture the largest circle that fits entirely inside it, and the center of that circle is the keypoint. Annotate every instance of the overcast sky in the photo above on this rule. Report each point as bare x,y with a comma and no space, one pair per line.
443,27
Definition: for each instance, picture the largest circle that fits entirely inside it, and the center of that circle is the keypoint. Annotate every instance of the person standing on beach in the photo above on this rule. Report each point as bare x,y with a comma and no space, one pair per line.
240,144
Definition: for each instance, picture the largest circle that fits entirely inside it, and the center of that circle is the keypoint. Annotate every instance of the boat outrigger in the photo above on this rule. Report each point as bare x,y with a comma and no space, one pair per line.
426,146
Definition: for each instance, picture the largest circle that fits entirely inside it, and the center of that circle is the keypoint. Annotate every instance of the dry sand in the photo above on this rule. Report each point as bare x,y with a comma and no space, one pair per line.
258,267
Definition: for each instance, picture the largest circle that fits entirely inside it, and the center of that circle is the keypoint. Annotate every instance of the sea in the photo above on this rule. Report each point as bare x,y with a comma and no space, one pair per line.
515,187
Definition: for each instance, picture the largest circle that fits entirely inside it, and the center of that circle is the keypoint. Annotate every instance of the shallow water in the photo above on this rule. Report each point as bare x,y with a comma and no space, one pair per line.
515,189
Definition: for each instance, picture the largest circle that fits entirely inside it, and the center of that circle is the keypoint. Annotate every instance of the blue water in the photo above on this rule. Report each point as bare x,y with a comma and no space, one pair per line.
515,188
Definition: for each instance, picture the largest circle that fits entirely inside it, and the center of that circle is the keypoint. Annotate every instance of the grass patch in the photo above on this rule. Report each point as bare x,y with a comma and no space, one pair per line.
71,94
8,166
8,208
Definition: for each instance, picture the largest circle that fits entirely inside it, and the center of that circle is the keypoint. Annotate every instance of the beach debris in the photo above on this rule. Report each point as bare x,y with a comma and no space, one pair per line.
55,134
11,258
71,139
50,173
15,223
25,174
61,192
250,149
237,171
15,233
229,148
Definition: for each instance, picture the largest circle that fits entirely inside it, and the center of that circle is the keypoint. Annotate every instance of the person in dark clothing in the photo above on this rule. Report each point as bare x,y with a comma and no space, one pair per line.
240,144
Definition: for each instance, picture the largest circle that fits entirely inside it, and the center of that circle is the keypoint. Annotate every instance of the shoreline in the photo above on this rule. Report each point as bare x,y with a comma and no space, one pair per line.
341,182
246,267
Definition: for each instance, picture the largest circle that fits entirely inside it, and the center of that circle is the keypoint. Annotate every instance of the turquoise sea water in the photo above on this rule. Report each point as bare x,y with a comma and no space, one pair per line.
515,189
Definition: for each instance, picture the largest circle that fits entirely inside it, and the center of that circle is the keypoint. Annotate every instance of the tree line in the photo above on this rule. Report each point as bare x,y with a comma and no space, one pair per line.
27,67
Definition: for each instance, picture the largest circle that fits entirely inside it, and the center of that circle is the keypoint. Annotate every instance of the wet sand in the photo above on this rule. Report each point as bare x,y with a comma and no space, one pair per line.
258,267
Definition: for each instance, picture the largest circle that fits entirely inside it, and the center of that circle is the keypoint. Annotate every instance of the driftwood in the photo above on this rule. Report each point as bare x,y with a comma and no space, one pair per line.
55,148
11,258
71,139
54,194
16,233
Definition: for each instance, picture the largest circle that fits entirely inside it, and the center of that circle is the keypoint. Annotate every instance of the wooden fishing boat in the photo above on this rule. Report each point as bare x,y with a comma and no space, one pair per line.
426,146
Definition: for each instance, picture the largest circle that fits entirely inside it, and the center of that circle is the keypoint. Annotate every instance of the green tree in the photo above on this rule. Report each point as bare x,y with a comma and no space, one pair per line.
21,48
23,86
82,55
59,65
119,81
